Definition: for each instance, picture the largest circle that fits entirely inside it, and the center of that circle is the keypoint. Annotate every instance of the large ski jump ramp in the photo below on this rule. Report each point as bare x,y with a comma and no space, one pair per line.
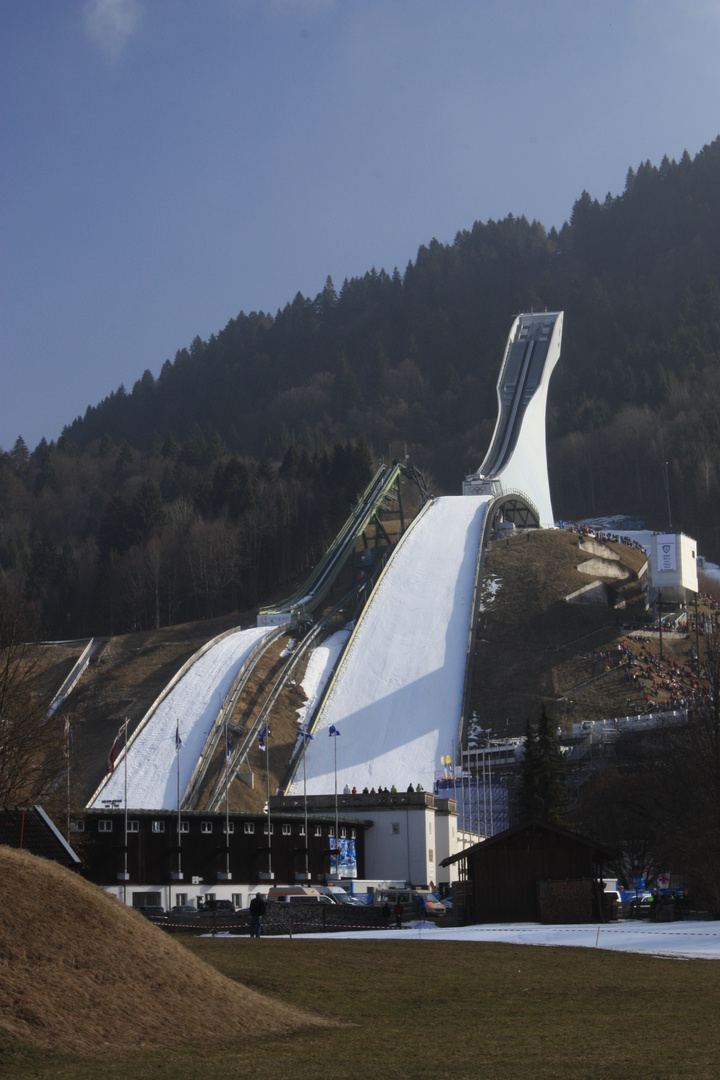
397,697
192,704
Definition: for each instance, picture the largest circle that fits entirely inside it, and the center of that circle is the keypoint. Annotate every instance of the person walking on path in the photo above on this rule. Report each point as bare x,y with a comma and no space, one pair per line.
398,909
257,910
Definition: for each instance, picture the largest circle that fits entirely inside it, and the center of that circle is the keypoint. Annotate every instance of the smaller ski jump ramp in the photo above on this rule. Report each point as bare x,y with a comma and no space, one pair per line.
397,697
191,705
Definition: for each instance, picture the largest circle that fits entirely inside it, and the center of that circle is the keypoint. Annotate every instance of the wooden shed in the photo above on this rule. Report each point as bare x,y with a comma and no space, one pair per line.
534,872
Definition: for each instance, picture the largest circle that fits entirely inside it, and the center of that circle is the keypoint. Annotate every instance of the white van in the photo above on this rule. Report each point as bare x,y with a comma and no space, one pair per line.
339,895
415,902
298,894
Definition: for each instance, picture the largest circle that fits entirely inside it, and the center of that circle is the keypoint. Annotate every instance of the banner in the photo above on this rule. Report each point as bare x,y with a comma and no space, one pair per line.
346,865
666,554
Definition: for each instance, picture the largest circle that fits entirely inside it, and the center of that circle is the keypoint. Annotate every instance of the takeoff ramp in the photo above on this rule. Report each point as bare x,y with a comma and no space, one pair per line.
397,697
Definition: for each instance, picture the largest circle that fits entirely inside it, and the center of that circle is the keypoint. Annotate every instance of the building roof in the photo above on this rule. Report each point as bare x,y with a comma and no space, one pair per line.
538,826
31,829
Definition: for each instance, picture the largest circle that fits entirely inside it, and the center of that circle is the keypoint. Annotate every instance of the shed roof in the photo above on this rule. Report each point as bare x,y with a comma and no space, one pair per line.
30,828
538,826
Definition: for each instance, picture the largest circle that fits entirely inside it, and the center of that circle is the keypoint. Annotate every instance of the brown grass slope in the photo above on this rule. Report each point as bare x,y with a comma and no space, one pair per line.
533,648
81,974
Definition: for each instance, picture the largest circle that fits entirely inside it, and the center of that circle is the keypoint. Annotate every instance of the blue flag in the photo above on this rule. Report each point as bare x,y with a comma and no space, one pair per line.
178,740
332,730
227,744
306,735
262,735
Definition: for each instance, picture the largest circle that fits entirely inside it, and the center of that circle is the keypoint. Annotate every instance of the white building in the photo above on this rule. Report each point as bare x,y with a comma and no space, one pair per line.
410,833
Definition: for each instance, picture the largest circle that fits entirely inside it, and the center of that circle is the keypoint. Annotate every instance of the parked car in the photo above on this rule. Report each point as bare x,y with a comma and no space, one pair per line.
183,909
414,901
152,911
339,895
217,907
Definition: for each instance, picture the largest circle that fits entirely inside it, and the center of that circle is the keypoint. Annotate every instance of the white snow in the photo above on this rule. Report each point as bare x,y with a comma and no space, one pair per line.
152,761
683,940
318,671
397,697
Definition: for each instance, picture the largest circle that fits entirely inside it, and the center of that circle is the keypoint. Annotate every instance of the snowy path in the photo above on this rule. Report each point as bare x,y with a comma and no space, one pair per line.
398,695
684,940
195,702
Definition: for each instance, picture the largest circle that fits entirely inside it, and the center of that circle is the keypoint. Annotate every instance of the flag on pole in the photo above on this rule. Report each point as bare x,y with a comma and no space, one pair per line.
262,735
306,735
178,740
332,730
227,744
68,738
113,748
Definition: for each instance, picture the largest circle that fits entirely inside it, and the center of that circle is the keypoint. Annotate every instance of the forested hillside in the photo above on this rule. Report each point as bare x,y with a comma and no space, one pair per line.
208,485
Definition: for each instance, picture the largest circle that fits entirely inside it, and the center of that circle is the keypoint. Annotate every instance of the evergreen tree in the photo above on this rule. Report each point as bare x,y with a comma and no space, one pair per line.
541,795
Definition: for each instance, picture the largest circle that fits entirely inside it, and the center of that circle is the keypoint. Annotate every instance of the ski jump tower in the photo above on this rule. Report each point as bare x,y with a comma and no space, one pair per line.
516,463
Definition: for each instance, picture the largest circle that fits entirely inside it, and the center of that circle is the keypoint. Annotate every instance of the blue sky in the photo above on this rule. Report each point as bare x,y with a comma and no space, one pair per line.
165,164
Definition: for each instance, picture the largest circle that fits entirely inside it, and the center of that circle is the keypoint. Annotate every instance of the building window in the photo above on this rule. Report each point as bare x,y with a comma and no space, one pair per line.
302,830
249,828
431,855
318,830
228,826
77,826
395,828
286,830
429,828
141,899
181,898
210,896
352,833
237,900
343,834
206,826
331,831
158,826
133,826
104,826
272,829
184,826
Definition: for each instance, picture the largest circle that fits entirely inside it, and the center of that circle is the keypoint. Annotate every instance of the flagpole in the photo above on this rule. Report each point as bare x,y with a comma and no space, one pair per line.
67,748
227,806
269,822
492,830
485,828
177,752
125,877
337,831
477,791
307,839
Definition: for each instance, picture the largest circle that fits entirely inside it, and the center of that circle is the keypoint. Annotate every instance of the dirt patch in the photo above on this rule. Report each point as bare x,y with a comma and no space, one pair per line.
80,973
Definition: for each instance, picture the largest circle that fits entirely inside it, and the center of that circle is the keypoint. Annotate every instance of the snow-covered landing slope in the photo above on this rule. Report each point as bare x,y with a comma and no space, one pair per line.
398,696
152,763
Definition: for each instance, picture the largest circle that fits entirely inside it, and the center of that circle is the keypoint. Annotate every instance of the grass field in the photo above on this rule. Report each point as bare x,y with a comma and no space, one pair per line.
443,1011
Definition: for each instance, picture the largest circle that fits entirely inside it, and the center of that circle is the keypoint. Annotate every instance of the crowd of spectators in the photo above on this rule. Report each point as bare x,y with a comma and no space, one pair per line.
665,683
597,534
